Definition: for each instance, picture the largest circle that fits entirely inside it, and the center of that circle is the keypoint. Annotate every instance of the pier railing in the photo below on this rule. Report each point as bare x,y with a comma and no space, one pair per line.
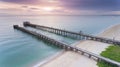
68,47
73,34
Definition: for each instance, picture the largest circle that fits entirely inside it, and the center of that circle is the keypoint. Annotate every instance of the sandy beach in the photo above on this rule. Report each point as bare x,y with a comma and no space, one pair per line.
72,59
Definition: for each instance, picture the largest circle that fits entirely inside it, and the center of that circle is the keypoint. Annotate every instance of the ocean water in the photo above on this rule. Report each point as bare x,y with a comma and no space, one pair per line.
18,49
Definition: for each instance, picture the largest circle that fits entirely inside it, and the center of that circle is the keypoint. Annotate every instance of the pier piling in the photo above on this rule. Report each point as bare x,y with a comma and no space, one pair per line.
71,34
66,46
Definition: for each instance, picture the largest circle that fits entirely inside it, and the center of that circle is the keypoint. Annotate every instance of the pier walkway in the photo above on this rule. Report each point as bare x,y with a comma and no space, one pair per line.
66,33
67,47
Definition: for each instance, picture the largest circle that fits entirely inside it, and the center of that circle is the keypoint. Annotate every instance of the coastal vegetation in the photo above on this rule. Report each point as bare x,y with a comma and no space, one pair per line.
113,53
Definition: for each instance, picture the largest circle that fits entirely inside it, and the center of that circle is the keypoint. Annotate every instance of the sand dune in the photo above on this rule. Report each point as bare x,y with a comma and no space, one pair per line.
72,59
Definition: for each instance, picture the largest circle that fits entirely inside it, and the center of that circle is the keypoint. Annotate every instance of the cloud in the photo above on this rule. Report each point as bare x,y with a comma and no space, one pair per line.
67,6
92,4
24,6
23,1
76,4
32,2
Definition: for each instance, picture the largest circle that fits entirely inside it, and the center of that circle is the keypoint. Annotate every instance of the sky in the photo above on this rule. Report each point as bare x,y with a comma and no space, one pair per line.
59,7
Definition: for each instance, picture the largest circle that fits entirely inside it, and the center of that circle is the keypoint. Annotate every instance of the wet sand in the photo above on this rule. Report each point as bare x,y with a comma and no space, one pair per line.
72,59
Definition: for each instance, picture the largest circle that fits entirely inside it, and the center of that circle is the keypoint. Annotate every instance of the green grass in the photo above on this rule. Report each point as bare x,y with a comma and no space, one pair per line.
113,53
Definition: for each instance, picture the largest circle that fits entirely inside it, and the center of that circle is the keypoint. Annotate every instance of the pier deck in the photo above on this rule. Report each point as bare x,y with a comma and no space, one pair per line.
67,47
80,35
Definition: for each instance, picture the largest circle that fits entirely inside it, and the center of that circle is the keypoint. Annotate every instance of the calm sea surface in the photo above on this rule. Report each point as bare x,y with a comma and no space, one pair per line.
18,49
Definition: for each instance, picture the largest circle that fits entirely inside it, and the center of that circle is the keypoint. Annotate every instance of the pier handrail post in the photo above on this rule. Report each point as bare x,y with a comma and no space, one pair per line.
80,32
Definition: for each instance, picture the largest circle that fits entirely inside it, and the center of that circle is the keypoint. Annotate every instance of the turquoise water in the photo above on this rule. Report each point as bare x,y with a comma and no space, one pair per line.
18,49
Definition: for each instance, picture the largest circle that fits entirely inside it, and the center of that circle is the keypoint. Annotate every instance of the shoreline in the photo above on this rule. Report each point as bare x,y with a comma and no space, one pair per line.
47,60
109,34
76,44
109,27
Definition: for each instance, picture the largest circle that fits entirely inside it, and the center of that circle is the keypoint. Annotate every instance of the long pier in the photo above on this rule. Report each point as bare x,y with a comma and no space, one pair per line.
67,47
73,34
